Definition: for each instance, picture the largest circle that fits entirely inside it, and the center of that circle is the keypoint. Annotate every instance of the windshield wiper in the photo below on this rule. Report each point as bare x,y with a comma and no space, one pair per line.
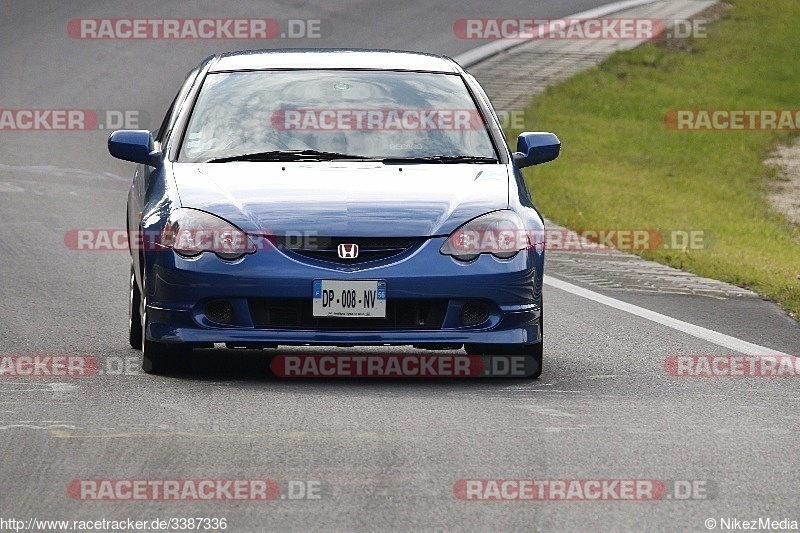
440,159
288,155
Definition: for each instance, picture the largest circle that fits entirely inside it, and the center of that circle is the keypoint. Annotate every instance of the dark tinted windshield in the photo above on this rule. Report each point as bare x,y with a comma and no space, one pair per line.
372,114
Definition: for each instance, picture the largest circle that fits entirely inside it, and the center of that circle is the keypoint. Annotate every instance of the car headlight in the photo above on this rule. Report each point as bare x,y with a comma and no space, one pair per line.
190,232
500,233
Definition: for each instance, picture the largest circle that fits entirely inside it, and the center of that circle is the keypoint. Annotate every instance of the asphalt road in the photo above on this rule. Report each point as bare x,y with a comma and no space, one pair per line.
385,454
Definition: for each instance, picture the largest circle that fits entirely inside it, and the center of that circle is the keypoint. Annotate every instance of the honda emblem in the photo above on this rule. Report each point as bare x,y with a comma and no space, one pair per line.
348,251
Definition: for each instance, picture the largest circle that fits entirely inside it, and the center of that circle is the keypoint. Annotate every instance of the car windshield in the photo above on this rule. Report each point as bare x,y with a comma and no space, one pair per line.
335,114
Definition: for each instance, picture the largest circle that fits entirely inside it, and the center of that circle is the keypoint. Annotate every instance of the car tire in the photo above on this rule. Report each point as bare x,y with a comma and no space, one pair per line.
537,352
134,316
161,357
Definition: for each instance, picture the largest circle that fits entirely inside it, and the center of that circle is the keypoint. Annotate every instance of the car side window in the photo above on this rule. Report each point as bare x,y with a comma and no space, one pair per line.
161,133
169,118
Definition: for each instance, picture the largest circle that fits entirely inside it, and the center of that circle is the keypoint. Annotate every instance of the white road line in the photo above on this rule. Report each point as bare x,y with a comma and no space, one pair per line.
32,426
720,339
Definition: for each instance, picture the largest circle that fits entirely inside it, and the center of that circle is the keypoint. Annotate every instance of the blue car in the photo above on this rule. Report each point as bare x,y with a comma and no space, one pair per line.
332,198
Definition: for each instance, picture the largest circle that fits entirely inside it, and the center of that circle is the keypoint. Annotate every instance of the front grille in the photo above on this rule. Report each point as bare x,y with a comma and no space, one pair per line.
295,313
326,248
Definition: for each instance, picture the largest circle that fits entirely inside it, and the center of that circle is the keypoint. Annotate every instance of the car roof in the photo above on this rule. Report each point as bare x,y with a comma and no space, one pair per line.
333,58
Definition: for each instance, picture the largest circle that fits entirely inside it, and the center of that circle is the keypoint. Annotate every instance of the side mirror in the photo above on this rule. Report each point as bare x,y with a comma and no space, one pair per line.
133,145
535,148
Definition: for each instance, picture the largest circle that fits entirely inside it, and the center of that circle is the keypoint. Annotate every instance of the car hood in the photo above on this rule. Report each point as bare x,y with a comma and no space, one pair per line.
344,198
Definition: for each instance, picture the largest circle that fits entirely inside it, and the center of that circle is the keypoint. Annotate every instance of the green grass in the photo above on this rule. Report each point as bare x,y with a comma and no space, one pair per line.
621,167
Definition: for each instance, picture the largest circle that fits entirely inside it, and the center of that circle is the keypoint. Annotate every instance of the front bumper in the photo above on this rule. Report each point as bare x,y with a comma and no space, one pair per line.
179,288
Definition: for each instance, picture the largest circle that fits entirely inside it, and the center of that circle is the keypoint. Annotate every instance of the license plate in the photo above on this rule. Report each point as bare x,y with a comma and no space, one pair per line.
351,299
